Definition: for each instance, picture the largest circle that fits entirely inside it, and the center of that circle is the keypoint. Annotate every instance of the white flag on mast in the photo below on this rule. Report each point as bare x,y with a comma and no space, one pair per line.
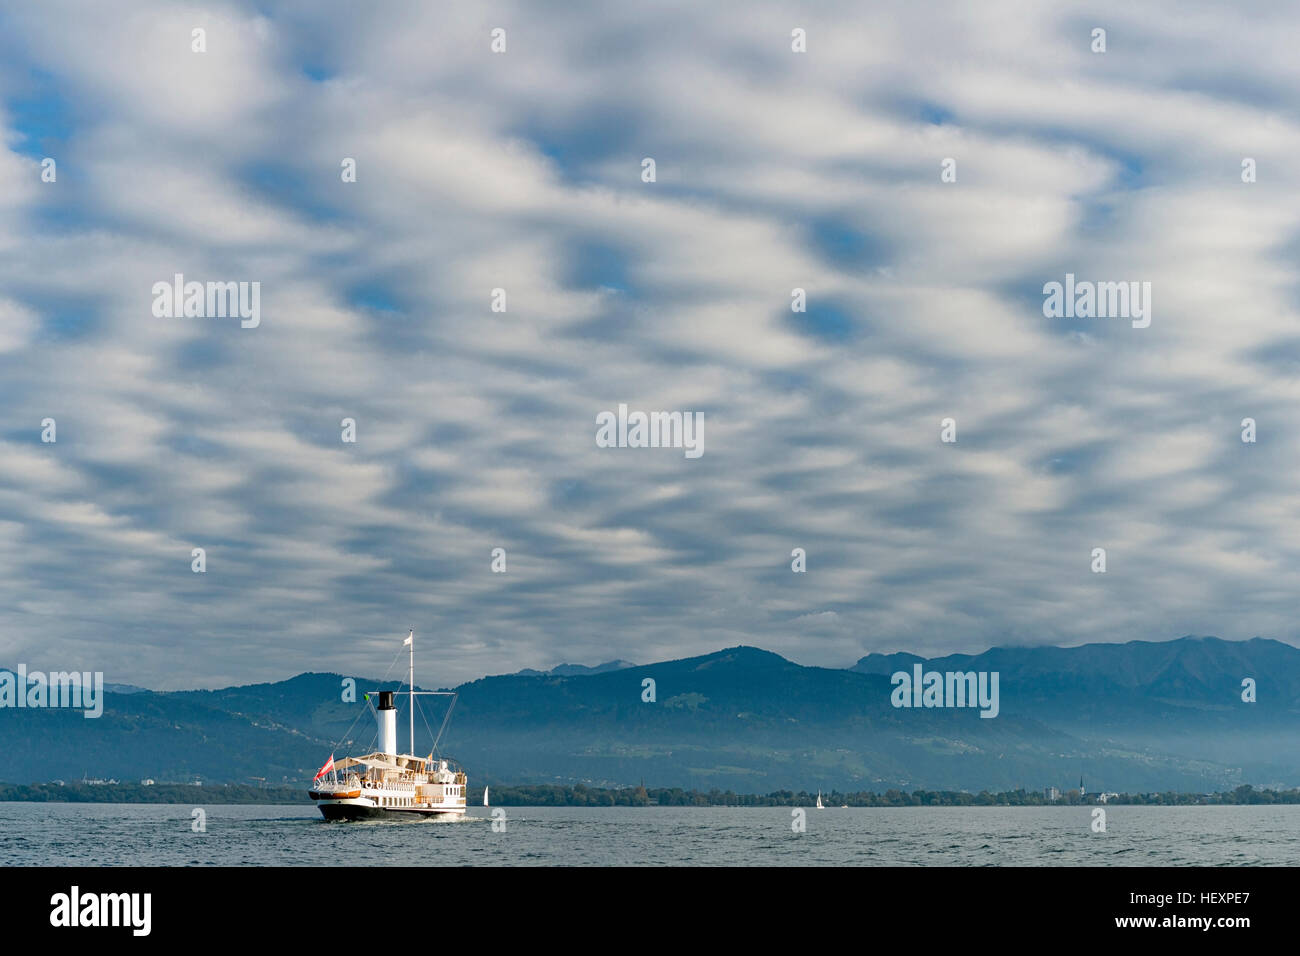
409,637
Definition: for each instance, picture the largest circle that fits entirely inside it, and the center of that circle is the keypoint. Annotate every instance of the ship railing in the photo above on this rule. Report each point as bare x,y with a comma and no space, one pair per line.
350,782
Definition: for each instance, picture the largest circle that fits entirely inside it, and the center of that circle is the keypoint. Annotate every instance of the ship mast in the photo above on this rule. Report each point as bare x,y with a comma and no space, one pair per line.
410,640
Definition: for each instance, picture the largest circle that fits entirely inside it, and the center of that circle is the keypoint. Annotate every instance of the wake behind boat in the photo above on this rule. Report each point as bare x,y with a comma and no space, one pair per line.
386,784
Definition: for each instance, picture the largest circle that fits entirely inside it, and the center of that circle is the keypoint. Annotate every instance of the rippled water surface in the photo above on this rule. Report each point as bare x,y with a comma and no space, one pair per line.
117,834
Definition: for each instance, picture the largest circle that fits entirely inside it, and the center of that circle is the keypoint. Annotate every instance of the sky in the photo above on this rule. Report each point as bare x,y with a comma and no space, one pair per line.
522,170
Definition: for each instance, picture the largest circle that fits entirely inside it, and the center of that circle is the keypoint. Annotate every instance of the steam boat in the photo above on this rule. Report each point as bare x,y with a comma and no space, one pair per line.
387,784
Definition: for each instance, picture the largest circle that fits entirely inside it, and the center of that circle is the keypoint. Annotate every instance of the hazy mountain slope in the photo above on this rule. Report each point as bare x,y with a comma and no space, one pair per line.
1137,716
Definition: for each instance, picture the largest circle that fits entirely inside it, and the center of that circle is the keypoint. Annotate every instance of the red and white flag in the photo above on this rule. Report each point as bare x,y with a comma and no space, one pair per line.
329,765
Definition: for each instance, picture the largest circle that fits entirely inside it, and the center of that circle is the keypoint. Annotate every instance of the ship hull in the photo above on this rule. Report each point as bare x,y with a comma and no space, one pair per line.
351,811
358,810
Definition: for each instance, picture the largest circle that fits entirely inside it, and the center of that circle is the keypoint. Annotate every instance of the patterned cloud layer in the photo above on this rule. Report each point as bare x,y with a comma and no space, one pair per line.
522,171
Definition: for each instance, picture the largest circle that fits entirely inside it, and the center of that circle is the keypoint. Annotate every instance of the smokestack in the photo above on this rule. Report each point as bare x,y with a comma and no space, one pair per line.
387,715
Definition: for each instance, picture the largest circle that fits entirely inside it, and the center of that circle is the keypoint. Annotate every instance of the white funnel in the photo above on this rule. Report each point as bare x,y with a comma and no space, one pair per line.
387,715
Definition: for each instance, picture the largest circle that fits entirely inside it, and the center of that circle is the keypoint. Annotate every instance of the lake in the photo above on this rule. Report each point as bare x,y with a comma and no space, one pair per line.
161,835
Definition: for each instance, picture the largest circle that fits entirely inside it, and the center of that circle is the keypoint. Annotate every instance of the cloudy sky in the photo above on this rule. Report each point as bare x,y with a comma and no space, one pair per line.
522,170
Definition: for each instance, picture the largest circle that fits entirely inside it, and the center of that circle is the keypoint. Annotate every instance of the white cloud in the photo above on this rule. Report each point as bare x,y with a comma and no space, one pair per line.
476,429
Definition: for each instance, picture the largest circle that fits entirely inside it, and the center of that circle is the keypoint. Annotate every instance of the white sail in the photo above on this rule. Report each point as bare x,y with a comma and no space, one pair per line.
485,791
819,801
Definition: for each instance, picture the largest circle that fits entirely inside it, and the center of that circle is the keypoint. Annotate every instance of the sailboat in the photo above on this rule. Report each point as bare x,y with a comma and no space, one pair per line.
485,791
388,784
819,801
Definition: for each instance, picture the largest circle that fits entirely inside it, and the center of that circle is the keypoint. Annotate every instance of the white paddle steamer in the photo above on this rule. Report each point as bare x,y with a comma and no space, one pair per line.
388,784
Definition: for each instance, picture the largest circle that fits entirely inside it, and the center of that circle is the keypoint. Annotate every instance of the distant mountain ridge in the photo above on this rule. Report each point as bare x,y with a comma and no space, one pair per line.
1140,717
575,670
1193,671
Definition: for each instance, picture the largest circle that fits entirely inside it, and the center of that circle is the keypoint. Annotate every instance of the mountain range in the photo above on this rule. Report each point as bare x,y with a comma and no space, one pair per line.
575,670
1136,717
